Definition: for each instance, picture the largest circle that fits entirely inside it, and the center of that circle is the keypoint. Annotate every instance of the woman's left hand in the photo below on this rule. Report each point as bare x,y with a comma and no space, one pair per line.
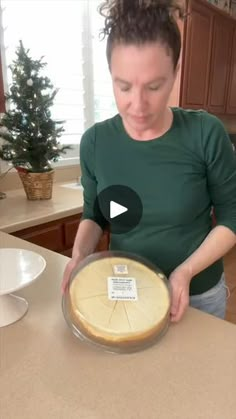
180,280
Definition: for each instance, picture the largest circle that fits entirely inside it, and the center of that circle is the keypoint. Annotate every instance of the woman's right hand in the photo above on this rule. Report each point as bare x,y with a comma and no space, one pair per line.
71,265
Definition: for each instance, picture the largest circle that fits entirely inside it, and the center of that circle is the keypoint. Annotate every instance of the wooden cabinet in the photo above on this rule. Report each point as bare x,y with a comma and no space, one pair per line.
220,65
58,235
231,99
196,57
208,78
49,236
104,242
71,227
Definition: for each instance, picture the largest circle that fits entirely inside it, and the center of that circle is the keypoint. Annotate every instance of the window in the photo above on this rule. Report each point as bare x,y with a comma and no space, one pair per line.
66,33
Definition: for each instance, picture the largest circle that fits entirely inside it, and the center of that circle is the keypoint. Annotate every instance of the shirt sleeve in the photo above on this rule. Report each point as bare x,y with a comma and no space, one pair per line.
91,209
220,163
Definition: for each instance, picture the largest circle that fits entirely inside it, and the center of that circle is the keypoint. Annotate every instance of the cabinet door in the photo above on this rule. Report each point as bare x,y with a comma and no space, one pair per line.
104,242
71,227
48,235
196,55
220,64
231,101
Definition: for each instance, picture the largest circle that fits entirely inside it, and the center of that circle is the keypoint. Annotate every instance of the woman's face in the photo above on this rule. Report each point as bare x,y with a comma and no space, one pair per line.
143,77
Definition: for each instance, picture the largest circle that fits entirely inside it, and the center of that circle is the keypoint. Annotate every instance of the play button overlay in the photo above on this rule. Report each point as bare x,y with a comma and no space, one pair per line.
116,209
121,207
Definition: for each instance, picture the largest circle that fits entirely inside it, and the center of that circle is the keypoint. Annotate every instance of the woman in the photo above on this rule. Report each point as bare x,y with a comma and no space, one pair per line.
179,162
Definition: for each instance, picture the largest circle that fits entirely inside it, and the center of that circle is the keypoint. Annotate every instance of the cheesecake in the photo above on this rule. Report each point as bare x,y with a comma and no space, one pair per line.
119,302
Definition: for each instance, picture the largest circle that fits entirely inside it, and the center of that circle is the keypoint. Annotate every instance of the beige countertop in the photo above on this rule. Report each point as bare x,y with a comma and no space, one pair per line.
17,213
45,372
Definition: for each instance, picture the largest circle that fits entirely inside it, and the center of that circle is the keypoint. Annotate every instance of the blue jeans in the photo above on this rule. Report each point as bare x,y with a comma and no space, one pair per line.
212,301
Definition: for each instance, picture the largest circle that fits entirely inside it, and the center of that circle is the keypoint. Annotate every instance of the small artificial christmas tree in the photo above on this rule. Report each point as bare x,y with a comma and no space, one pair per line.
29,133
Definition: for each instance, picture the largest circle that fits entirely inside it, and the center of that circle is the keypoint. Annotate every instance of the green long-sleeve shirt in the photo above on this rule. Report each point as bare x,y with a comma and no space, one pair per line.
179,177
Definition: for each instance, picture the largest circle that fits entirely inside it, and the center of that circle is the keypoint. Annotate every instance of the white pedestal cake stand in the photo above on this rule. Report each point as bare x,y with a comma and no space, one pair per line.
18,268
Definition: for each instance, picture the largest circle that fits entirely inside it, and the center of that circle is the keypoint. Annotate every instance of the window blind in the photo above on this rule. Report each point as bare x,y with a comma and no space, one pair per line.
66,33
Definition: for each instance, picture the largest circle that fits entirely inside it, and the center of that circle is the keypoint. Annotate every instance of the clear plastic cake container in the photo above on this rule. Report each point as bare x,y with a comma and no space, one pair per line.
118,302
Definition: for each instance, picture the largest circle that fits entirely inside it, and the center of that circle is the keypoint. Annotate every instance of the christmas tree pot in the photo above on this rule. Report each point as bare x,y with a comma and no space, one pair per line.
37,185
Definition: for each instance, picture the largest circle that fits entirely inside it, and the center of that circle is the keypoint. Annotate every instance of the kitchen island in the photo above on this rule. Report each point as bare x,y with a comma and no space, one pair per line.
45,372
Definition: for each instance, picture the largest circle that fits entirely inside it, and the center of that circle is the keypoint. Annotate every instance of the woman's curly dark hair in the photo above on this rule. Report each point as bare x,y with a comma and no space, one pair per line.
137,22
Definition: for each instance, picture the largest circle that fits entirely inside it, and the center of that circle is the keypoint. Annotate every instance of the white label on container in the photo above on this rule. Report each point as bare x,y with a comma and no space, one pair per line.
120,269
122,289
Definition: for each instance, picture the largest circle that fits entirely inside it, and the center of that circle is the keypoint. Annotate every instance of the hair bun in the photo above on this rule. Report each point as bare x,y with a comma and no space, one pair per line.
141,21
156,3
115,9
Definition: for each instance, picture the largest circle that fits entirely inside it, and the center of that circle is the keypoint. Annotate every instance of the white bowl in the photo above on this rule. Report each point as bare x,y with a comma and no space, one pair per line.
18,268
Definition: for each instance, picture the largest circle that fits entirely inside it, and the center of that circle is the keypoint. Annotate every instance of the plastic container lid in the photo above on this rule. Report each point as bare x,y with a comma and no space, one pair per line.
117,301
